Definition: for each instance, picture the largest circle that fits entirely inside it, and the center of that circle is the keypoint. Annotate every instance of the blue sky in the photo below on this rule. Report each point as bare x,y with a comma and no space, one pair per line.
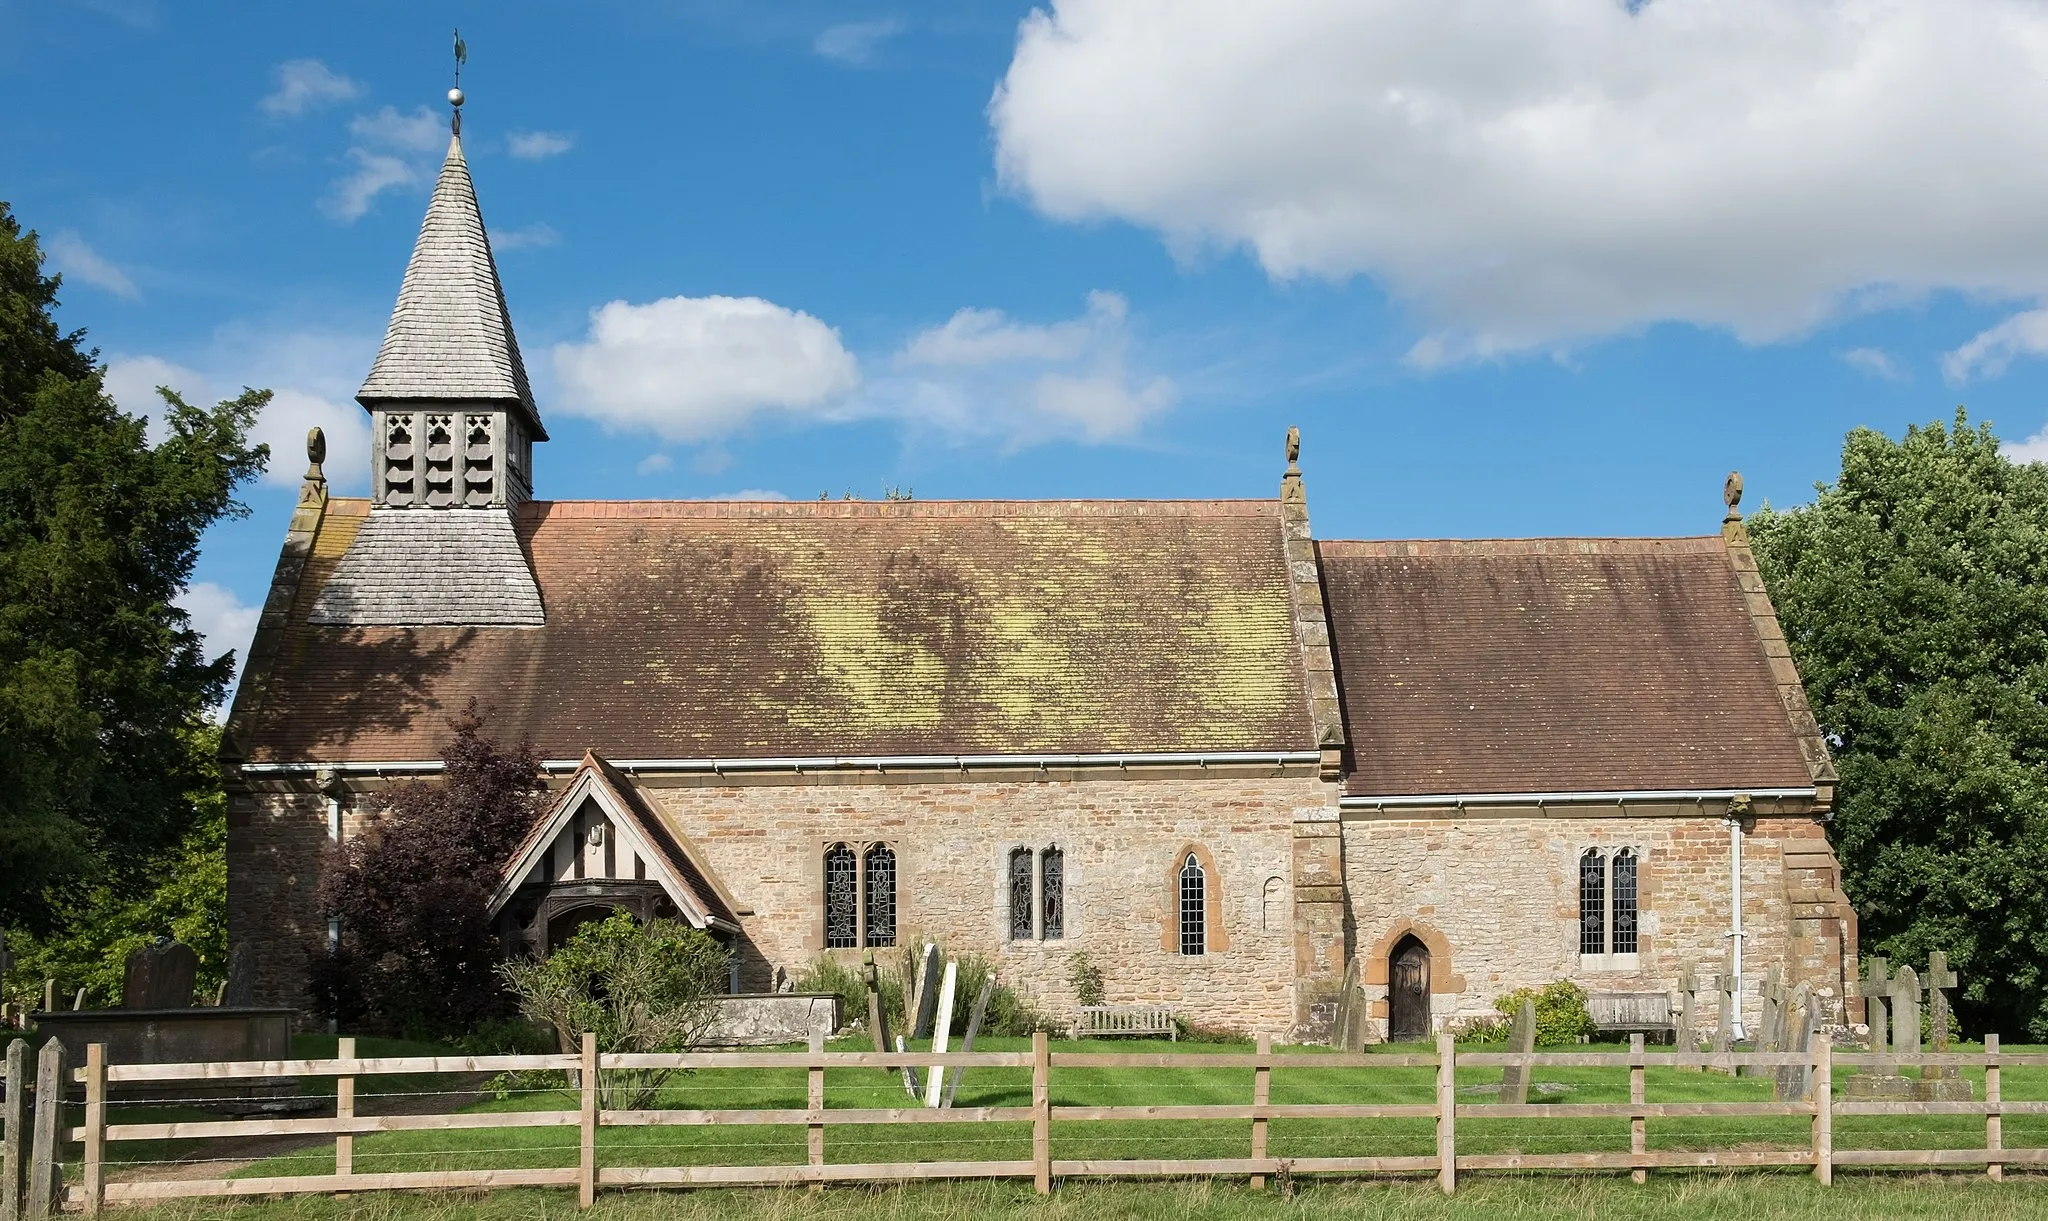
1513,268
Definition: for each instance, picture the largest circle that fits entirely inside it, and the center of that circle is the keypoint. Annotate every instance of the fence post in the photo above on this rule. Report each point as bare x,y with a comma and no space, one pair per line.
1446,1111
1824,1110
345,1108
95,1127
817,1104
1262,1093
1994,1123
1041,1113
14,1130
45,1174
586,1173
1638,1127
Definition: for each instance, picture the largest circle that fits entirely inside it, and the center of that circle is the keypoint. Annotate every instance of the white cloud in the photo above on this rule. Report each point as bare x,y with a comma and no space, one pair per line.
534,145
82,264
526,237
980,373
855,42
654,464
1990,351
306,84
2033,449
312,376
390,150
1531,173
220,616
1873,362
692,368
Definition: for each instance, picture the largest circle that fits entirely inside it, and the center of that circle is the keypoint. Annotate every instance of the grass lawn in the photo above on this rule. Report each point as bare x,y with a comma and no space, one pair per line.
1670,1193
1761,1196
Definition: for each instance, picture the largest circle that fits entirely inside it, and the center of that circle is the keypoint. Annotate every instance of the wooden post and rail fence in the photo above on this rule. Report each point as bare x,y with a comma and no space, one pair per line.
35,1185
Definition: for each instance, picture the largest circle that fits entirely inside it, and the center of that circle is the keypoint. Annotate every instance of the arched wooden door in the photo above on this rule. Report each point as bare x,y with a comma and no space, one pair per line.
1408,990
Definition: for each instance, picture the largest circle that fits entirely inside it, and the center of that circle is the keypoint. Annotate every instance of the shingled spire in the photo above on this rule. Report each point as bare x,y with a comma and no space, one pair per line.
449,375
452,429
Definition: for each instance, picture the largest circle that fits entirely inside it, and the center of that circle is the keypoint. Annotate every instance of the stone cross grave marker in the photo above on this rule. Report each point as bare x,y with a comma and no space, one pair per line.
159,976
927,992
1877,982
1939,980
1514,1079
1905,1006
1724,991
1772,1032
1684,1035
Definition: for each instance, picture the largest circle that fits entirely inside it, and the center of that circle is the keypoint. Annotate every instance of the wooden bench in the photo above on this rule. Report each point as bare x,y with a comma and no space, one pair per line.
1647,1013
1117,1021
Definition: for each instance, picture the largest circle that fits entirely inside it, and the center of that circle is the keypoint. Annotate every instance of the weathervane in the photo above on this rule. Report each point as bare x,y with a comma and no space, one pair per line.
455,94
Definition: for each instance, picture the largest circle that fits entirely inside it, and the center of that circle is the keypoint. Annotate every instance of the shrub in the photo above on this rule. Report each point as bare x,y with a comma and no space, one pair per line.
637,989
1561,1014
1482,1030
1008,1015
828,974
417,954
1086,978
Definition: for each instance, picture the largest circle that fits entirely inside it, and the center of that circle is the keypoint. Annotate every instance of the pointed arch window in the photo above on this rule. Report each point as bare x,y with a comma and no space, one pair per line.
1194,915
842,898
879,900
1020,894
1609,909
1052,894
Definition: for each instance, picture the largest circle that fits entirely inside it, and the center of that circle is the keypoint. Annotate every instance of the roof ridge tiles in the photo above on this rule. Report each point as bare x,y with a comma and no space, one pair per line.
552,510
1345,548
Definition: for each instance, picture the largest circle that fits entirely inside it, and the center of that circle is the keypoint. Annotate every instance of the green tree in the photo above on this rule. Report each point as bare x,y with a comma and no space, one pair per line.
1914,593
102,678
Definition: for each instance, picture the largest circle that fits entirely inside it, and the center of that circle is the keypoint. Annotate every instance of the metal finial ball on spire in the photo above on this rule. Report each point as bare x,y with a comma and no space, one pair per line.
455,97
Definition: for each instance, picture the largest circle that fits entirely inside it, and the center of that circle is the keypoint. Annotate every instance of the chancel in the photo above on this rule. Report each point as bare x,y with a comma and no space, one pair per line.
1261,780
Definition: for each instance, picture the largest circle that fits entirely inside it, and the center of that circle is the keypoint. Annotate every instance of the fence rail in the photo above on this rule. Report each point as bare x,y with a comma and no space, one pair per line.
1819,1109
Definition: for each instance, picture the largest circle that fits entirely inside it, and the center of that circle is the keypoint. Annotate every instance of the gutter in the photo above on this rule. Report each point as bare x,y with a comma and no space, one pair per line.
1618,797
837,763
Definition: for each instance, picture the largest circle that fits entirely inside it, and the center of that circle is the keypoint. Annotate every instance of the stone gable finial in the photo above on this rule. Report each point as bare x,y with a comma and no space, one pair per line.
1294,451
1731,494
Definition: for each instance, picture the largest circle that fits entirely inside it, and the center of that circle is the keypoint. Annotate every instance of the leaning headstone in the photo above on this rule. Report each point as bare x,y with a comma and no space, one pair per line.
240,988
1724,1024
1683,1034
927,993
1801,1019
1347,1032
1771,1032
1514,1079
159,976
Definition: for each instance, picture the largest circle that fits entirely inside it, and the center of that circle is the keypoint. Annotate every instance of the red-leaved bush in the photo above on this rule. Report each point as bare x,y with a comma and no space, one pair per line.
417,954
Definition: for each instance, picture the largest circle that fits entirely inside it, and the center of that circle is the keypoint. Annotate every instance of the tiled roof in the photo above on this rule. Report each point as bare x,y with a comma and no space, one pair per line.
413,567
450,335
1552,665
693,630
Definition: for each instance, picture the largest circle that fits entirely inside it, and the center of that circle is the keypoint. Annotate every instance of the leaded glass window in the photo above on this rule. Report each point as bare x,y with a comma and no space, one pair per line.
1624,903
1052,882
841,898
1592,902
1020,894
1194,926
881,895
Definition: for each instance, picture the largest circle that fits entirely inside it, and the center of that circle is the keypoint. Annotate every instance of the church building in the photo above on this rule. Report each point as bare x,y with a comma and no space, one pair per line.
1244,770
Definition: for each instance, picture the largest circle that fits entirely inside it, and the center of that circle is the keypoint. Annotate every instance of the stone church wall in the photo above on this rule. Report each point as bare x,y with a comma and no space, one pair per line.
1120,838
275,840
1499,897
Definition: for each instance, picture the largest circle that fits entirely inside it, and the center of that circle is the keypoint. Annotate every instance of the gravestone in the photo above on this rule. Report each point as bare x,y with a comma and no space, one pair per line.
1772,1033
1801,1019
1877,982
1905,1007
1684,1036
927,993
1514,1079
1724,996
1348,1027
159,976
240,988
1942,1082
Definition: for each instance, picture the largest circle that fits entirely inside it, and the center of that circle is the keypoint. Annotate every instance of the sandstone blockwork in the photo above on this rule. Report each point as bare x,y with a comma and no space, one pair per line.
1294,893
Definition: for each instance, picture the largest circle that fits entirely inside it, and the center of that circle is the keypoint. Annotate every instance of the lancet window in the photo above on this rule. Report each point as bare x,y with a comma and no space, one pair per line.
878,906
1194,921
1052,894
1020,894
1035,893
842,898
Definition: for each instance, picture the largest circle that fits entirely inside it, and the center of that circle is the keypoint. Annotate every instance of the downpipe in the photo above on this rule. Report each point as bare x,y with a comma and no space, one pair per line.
1737,807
